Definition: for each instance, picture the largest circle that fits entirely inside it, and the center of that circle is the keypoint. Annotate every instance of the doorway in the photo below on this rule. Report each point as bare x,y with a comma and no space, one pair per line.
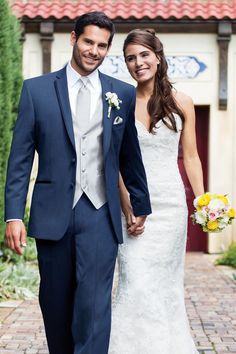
197,239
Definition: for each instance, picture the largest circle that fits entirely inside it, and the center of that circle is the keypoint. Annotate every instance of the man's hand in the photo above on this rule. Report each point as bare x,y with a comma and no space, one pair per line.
15,236
137,227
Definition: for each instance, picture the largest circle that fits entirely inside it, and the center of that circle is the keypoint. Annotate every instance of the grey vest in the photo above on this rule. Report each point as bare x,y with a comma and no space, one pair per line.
90,167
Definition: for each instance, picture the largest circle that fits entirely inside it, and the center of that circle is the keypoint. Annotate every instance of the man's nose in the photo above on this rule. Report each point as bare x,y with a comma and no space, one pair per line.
94,50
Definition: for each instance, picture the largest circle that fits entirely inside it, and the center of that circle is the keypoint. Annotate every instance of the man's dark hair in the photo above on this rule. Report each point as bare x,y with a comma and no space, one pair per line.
95,18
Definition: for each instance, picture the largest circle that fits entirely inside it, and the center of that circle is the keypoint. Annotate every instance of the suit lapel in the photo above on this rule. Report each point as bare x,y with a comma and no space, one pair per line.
107,122
64,102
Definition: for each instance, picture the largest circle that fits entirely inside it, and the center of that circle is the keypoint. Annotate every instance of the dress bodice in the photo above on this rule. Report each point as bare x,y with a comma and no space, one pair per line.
160,151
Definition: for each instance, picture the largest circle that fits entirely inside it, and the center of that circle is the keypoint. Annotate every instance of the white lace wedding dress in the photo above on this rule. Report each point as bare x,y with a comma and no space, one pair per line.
149,315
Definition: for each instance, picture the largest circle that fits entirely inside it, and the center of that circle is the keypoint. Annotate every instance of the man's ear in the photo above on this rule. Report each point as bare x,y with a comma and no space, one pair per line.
73,38
108,48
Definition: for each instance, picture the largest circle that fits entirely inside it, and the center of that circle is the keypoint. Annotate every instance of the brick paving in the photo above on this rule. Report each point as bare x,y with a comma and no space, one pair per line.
210,302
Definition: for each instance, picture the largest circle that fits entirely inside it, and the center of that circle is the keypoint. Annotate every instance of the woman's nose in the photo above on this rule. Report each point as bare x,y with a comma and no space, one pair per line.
139,61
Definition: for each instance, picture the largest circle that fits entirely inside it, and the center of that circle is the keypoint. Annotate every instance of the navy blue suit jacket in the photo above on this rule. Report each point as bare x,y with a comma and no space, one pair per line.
44,124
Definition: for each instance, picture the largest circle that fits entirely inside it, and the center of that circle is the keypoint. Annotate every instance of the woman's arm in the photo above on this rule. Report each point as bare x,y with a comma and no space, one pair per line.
191,158
127,208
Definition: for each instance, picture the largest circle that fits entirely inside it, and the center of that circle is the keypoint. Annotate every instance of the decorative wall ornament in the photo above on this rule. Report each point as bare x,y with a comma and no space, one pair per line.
184,67
180,67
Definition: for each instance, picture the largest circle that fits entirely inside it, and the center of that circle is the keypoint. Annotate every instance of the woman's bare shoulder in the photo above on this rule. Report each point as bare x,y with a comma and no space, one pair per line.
182,99
185,103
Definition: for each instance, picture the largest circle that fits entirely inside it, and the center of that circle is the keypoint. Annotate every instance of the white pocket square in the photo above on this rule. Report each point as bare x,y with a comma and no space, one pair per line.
118,120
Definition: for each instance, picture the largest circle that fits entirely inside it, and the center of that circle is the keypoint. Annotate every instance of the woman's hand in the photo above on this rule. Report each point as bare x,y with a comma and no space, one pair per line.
134,226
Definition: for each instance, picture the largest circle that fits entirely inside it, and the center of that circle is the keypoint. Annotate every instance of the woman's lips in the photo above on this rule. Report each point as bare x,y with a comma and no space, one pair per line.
141,71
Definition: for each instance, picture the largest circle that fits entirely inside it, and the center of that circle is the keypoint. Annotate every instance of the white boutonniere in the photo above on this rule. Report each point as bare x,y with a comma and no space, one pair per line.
113,101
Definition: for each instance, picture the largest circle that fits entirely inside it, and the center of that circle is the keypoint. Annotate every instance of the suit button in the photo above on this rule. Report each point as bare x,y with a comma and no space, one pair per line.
72,185
73,160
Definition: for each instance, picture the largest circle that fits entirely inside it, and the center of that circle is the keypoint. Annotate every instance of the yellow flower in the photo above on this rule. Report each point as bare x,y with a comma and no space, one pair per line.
224,199
212,225
231,213
204,200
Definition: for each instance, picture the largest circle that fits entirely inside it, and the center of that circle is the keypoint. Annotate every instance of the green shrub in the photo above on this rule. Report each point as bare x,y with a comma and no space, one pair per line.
18,281
10,86
229,257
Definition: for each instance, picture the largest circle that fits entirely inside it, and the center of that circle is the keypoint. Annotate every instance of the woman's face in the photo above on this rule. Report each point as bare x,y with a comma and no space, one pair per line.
141,62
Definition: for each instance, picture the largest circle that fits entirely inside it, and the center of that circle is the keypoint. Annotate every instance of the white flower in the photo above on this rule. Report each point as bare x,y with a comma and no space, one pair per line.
201,217
223,222
225,219
195,202
216,204
108,95
221,225
113,101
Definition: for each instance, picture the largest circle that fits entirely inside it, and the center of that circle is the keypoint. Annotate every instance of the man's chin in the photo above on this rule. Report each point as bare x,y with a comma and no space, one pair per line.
92,64
90,68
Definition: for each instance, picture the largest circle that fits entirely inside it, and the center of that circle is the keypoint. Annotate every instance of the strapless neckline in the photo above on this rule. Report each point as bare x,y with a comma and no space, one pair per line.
142,125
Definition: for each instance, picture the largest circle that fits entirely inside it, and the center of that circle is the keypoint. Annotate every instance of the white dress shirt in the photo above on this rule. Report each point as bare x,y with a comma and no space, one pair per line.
74,84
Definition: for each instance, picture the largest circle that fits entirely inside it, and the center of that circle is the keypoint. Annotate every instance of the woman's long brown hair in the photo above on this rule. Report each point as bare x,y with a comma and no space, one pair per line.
162,103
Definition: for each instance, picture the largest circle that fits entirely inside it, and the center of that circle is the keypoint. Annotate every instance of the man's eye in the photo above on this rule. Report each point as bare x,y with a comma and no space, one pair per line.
102,46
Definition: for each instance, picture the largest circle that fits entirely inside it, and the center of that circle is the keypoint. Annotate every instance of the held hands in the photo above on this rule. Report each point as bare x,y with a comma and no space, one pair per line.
15,236
135,224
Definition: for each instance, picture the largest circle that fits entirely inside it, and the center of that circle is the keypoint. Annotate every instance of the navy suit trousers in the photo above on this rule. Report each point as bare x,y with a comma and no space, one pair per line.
76,282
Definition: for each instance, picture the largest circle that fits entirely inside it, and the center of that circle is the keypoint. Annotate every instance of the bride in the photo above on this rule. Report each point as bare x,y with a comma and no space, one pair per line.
149,315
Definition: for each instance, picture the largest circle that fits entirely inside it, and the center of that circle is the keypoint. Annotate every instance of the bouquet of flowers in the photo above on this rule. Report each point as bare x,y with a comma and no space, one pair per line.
212,212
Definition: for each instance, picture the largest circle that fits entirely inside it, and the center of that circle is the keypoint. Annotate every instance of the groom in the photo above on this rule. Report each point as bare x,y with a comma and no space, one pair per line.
83,140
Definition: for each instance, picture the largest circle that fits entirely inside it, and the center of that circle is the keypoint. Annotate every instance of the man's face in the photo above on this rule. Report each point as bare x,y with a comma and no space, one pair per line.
90,49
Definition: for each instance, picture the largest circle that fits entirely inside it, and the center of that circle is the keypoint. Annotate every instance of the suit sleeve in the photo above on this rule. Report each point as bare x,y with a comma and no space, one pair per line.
20,158
131,166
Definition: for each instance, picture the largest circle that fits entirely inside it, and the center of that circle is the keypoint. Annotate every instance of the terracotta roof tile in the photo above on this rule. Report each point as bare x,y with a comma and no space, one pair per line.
125,9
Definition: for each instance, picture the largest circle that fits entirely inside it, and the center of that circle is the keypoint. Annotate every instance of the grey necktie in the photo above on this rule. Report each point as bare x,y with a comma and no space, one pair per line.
81,124
83,106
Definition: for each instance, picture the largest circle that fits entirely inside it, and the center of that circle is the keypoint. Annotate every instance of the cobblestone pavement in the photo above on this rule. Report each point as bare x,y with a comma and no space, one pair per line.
210,302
